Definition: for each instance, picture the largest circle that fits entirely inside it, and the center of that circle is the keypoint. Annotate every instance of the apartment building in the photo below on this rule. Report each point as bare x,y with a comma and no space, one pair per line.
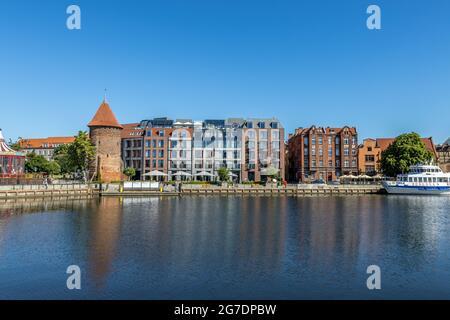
132,137
157,133
43,146
443,151
369,157
198,149
322,153
263,149
370,151
216,144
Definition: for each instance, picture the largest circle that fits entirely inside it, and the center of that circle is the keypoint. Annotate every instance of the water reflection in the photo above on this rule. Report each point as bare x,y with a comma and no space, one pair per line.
241,247
102,244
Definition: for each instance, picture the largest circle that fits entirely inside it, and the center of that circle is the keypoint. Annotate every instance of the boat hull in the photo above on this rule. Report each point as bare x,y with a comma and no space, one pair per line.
420,190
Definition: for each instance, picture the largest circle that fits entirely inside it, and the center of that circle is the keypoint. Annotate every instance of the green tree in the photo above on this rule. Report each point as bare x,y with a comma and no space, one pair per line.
129,172
61,156
224,174
80,152
406,150
35,163
15,145
38,164
52,168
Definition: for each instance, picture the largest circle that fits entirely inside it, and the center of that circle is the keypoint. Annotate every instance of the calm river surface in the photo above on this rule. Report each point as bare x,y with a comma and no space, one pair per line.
216,247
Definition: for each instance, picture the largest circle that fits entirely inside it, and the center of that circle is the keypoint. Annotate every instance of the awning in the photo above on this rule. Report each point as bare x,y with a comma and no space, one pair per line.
204,174
155,173
182,173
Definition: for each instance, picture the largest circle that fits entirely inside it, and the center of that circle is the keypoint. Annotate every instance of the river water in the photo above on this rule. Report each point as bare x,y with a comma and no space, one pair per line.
214,247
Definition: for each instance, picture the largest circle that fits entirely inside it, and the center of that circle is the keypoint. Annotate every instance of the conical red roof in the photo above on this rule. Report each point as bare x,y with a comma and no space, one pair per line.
104,118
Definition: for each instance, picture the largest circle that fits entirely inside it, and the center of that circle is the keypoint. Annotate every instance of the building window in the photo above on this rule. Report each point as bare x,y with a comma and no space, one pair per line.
149,133
346,164
275,135
161,143
160,163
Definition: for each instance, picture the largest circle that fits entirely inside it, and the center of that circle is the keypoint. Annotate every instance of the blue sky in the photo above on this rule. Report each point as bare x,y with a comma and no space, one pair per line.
305,62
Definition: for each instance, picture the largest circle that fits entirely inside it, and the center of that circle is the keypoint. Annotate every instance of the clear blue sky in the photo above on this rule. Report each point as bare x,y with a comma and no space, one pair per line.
305,62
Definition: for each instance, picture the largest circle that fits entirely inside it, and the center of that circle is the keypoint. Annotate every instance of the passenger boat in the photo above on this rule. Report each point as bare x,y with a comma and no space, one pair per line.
421,179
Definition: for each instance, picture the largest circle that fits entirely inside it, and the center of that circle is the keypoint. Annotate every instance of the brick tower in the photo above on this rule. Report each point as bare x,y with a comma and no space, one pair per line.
104,131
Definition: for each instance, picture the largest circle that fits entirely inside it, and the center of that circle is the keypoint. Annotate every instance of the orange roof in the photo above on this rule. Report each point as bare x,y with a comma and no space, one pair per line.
104,117
49,142
383,143
131,130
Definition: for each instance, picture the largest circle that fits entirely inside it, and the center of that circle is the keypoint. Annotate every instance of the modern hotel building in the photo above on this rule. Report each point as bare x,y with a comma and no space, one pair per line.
249,148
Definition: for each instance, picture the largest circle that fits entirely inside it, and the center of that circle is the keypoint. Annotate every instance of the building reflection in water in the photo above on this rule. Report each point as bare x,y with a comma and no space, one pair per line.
105,225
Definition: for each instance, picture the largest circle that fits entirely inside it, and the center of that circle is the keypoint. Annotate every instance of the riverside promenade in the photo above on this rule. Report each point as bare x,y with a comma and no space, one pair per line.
25,191
114,190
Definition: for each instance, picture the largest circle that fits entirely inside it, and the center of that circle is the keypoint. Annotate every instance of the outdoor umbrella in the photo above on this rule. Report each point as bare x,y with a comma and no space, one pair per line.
204,174
182,173
155,173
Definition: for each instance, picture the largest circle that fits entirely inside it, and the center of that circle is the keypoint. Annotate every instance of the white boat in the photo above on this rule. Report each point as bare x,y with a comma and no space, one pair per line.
421,179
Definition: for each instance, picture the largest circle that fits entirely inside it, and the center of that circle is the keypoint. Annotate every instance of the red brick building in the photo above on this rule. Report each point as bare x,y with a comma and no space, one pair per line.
369,153
322,153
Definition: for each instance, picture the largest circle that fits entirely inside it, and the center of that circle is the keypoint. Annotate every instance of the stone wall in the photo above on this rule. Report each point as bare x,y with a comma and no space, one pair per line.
107,165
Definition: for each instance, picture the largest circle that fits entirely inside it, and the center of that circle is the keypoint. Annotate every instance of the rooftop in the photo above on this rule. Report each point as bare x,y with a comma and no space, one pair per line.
49,142
104,117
